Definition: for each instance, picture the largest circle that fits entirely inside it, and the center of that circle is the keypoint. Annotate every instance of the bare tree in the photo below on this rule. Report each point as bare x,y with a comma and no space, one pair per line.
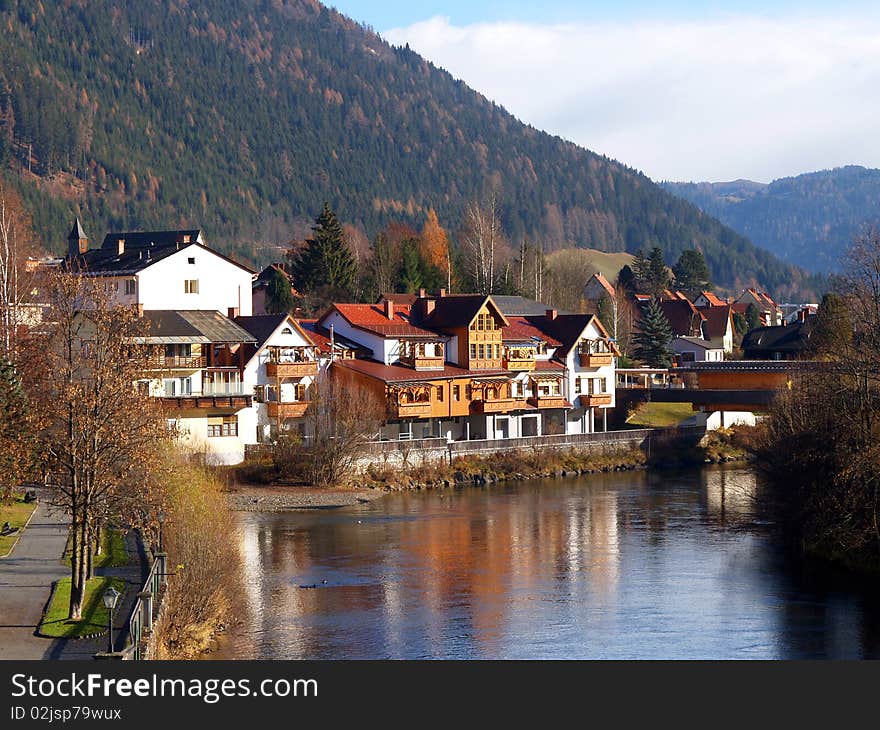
341,419
101,435
15,244
485,249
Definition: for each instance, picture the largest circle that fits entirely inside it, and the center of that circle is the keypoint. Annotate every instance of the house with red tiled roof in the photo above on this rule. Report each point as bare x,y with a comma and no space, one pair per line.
708,299
459,367
770,311
597,287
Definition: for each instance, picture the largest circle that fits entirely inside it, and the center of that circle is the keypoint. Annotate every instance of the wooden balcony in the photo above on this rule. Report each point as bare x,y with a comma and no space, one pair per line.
595,359
160,362
518,363
292,369
423,362
548,401
287,410
419,409
192,402
501,405
595,400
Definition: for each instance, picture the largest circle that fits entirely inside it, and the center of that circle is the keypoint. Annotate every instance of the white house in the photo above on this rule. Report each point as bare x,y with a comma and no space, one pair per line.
696,349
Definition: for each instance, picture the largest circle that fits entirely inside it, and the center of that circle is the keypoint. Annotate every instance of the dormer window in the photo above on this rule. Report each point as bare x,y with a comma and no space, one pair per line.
287,331
186,240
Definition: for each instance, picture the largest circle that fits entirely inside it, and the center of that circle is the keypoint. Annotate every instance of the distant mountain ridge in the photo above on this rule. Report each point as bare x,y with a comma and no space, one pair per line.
242,117
808,220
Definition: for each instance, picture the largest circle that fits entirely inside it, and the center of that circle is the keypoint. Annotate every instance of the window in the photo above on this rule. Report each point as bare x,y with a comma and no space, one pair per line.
222,426
497,352
473,352
577,385
456,392
440,393
130,286
287,331
191,286
300,392
481,351
191,260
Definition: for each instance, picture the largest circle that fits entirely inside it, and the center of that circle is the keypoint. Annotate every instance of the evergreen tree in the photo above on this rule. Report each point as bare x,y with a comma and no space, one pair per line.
753,317
641,272
627,278
409,279
740,324
325,263
658,274
279,297
653,343
691,272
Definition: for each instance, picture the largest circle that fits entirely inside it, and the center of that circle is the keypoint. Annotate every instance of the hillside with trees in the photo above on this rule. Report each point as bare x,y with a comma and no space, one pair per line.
244,117
809,220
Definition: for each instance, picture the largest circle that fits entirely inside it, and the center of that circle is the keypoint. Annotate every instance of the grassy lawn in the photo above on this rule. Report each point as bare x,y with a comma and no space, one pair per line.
658,415
16,514
113,552
55,623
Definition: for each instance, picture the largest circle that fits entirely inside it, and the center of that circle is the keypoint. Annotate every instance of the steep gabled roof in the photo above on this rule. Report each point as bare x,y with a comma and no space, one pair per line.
604,283
512,306
713,300
109,262
77,233
263,326
459,310
320,336
152,239
683,317
405,299
568,328
717,320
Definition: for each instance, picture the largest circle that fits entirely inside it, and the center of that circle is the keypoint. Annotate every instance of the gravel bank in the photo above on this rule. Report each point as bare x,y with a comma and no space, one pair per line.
280,499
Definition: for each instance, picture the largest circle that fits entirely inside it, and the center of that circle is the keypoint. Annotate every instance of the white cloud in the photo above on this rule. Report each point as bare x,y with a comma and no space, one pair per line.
711,100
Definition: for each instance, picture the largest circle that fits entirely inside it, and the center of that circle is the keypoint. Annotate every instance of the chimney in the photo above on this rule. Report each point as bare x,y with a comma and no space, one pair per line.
389,309
802,315
551,314
120,247
232,312
442,293
422,293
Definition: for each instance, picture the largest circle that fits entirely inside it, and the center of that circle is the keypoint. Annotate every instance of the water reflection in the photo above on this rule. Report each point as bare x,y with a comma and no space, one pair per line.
614,566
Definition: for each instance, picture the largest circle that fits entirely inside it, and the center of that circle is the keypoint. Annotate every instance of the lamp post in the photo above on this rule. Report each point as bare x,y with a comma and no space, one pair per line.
161,518
110,597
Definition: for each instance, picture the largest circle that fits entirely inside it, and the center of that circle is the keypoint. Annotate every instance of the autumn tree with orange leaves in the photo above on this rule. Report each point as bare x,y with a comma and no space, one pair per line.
434,246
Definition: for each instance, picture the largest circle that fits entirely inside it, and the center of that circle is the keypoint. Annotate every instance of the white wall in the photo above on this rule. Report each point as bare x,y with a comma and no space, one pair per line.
220,450
222,284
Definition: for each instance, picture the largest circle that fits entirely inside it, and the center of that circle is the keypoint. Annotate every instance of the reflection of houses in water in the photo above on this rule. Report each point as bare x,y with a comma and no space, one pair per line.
730,493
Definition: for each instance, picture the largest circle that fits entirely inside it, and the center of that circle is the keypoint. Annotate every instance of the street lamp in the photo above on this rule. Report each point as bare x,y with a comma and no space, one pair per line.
110,597
161,518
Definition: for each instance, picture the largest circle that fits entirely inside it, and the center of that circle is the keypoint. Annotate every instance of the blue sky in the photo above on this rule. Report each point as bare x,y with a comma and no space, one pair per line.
386,14
681,90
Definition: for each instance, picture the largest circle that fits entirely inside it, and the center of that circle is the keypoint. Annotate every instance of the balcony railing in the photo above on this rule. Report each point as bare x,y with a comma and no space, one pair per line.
292,369
518,363
595,359
595,399
184,401
500,405
548,401
287,410
417,409
162,362
423,362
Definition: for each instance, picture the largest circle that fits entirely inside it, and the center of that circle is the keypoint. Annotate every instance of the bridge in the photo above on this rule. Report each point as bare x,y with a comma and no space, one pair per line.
733,386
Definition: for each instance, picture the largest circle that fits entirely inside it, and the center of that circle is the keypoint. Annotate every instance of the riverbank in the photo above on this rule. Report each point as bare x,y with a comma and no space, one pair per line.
277,498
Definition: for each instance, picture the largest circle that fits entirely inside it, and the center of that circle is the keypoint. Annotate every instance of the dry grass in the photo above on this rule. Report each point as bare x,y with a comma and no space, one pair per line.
205,572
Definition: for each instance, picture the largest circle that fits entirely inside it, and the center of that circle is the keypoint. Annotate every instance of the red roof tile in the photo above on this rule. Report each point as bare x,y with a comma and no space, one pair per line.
524,329
372,318
713,300
400,373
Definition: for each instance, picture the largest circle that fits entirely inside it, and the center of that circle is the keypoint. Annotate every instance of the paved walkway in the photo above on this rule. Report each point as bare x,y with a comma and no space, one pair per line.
26,579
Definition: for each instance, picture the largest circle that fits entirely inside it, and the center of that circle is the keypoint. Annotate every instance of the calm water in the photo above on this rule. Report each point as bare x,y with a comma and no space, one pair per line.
624,565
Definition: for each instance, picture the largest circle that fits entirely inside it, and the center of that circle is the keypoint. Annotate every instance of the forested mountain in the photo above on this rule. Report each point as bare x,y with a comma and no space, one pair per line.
243,116
808,220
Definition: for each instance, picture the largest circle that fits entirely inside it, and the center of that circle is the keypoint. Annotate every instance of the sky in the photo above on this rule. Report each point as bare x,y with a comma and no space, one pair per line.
681,90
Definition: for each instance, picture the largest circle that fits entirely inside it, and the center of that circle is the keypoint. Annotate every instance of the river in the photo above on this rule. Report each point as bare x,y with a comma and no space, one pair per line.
628,565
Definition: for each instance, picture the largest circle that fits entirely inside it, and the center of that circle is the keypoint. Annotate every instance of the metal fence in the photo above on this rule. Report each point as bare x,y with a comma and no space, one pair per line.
141,619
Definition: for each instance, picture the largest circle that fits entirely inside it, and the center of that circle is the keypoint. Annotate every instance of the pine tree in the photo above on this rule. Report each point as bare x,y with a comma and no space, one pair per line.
691,272
753,317
325,262
409,279
279,297
658,274
653,342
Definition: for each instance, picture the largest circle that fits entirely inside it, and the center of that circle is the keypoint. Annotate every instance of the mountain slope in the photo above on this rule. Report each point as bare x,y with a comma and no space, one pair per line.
243,117
808,220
